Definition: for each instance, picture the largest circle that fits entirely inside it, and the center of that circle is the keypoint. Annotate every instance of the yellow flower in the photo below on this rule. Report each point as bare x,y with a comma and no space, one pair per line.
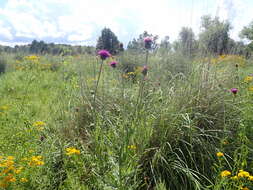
248,79
132,147
24,180
234,177
39,124
10,178
244,188
250,178
225,142
4,108
225,173
251,88
10,158
17,171
3,185
72,150
243,174
219,154
36,161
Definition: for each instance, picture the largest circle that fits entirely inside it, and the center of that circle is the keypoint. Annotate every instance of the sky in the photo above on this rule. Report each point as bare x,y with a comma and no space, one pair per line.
79,22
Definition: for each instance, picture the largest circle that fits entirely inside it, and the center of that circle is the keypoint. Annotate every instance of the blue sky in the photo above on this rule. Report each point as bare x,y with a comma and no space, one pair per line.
81,21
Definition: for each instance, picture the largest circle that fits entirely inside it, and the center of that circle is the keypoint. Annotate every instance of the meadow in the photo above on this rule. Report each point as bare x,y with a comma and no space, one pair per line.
149,121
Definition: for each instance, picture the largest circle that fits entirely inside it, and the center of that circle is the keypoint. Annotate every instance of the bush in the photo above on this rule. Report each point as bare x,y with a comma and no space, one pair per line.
2,65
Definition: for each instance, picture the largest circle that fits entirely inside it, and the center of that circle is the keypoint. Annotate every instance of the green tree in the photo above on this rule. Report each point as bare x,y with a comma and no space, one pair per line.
187,43
214,36
109,41
247,33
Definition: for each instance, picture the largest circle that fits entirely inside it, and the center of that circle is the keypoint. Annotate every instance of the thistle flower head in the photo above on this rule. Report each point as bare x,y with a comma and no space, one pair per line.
113,64
148,42
144,70
104,54
234,90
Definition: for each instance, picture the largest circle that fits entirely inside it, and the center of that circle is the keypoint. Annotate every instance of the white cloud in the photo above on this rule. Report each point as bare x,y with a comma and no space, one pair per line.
5,32
77,21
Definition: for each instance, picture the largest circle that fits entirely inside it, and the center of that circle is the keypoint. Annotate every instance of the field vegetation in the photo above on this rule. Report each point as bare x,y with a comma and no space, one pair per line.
154,116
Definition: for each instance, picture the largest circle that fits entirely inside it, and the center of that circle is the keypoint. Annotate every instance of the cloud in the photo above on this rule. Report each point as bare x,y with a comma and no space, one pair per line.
5,32
80,21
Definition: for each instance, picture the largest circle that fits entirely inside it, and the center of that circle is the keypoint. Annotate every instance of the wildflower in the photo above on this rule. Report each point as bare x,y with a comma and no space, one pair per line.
243,174
250,178
131,147
36,161
4,108
113,64
248,78
234,177
148,42
251,88
104,54
72,150
219,154
10,178
10,157
244,188
3,185
225,173
39,124
144,70
234,90
225,142
17,171
24,180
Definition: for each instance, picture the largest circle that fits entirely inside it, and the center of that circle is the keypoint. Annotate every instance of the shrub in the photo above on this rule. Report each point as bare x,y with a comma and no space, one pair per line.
2,65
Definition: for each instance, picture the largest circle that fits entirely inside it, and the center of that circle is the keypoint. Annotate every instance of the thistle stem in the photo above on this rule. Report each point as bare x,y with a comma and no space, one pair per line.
100,71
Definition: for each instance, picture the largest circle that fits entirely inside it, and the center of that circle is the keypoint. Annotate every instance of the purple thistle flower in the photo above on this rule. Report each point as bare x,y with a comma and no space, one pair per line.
113,64
234,90
144,70
148,42
104,54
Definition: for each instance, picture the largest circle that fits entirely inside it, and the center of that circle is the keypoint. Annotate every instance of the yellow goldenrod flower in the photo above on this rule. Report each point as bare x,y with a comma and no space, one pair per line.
72,150
219,154
225,173
24,180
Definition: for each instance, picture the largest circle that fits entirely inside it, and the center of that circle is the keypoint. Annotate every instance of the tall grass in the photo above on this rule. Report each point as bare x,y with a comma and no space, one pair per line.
158,132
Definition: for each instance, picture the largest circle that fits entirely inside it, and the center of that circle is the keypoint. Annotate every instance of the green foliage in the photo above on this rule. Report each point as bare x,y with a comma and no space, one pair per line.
3,63
215,35
187,43
108,41
161,131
